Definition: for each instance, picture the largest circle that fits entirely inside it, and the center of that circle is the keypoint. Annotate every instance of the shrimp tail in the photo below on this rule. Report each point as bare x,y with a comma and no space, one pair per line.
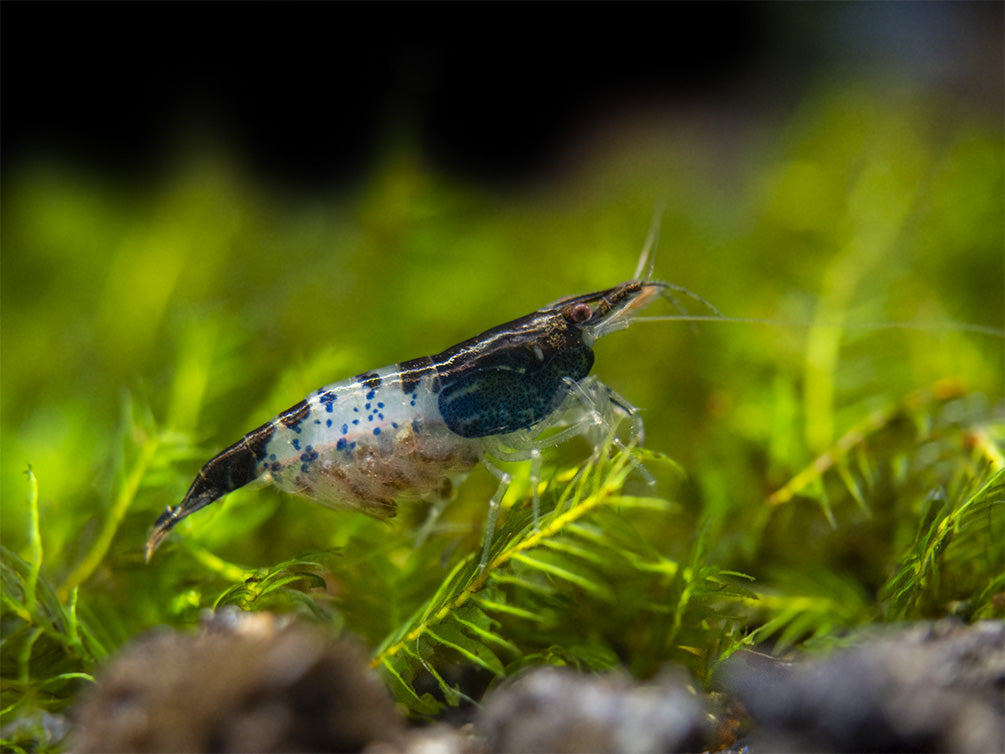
232,468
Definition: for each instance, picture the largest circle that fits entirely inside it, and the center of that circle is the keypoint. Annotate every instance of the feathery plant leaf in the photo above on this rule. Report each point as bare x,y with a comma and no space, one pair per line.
803,607
295,584
882,437
913,496
551,584
47,650
960,547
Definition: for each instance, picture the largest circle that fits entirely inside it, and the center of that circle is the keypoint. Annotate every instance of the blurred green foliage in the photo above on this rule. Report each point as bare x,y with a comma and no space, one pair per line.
145,328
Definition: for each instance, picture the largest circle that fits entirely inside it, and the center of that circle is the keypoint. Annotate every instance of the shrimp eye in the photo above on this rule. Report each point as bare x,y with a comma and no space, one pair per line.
578,313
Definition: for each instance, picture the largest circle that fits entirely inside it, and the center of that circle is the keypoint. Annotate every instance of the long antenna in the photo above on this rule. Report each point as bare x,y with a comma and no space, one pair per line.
988,330
647,261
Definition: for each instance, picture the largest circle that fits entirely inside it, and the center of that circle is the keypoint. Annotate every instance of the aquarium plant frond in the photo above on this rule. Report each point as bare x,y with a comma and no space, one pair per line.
959,548
912,409
576,560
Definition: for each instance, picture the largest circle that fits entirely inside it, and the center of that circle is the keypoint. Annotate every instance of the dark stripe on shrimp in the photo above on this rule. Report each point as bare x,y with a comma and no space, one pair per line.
232,468
412,372
235,466
370,379
292,416
258,439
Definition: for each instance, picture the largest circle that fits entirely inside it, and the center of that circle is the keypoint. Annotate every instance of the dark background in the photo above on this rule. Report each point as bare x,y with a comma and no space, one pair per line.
305,92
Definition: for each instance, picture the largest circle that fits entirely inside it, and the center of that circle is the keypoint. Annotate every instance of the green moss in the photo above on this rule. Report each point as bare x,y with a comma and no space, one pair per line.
835,474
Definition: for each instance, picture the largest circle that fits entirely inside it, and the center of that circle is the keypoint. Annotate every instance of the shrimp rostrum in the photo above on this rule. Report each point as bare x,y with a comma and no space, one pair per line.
413,430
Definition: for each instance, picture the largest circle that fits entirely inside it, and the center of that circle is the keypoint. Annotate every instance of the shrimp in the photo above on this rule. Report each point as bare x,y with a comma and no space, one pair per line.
413,430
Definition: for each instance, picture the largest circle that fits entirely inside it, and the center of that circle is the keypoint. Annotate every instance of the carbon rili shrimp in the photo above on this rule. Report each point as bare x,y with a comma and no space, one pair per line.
415,429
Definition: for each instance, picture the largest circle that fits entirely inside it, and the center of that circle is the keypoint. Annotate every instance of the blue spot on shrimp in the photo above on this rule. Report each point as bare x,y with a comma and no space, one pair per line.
504,395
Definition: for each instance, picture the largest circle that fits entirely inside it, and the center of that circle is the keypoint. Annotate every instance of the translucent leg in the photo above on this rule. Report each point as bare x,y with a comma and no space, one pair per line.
493,514
598,413
435,509
591,410
535,481
638,430
594,407
530,446
636,437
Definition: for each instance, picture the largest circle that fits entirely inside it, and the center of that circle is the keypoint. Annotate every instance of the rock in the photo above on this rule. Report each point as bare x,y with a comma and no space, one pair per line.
929,688
247,682
554,709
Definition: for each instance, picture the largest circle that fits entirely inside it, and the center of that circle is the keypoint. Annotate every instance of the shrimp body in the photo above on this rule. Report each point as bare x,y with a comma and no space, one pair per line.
365,442
414,430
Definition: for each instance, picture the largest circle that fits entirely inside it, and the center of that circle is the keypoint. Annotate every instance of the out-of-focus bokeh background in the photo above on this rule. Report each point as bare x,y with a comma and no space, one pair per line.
210,210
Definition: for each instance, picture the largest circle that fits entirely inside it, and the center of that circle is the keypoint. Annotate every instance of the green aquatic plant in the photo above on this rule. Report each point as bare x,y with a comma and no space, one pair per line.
829,474
582,586
47,650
